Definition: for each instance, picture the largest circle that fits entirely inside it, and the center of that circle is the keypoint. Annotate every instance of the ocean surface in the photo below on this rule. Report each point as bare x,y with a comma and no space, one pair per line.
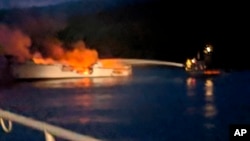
156,103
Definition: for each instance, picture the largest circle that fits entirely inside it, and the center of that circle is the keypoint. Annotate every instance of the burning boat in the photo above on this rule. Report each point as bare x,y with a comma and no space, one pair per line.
31,70
58,62
52,58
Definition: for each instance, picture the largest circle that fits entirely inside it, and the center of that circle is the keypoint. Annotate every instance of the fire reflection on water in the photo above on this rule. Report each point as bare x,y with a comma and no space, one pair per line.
85,100
86,105
80,95
191,84
91,102
81,82
209,109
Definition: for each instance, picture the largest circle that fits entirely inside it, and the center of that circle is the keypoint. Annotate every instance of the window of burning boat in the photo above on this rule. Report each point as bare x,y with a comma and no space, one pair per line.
67,68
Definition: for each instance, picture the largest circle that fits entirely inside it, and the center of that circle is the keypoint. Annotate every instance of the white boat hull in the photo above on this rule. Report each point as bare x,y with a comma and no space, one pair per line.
39,71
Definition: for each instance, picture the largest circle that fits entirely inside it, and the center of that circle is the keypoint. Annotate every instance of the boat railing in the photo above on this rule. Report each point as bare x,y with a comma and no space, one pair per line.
50,131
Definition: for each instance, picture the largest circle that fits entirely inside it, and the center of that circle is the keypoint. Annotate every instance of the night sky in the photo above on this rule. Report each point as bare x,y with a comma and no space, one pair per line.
9,4
150,29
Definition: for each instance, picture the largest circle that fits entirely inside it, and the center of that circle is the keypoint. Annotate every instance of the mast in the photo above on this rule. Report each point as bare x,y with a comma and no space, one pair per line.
198,55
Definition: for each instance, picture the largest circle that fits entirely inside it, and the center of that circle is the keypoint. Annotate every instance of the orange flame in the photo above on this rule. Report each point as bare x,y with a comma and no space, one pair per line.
38,59
15,42
80,58
112,63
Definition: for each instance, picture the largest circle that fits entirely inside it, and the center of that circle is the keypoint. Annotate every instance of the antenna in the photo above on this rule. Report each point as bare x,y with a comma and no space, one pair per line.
198,55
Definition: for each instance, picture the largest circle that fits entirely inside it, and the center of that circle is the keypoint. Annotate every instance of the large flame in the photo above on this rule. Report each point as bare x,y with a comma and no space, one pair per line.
52,51
38,59
112,63
80,58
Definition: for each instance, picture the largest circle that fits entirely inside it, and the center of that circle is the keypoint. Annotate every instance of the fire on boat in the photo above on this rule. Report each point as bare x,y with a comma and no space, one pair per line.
31,70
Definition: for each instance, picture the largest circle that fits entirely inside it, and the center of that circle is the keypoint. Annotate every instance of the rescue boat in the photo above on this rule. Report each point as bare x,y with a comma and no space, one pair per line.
202,67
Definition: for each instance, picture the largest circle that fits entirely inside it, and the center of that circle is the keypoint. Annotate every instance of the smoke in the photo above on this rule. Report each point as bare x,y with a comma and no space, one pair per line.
52,47
28,35
14,42
51,50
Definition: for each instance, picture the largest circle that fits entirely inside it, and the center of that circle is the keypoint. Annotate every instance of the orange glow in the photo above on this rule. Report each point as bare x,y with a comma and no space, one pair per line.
86,72
211,72
188,64
80,58
87,82
38,59
84,100
210,108
87,100
209,88
112,63
46,61
84,120
50,50
191,82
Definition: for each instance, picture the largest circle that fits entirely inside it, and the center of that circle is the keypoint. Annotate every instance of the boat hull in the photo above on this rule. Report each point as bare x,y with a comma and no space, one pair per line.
36,71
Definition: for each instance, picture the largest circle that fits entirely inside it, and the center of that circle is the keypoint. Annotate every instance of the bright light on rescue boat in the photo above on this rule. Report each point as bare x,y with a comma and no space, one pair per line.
193,60
208,49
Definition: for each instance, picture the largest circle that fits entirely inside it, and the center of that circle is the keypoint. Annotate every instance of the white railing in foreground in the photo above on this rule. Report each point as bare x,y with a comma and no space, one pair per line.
42,126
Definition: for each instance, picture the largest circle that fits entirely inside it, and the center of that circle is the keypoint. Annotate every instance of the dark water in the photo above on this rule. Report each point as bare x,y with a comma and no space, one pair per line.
154,104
